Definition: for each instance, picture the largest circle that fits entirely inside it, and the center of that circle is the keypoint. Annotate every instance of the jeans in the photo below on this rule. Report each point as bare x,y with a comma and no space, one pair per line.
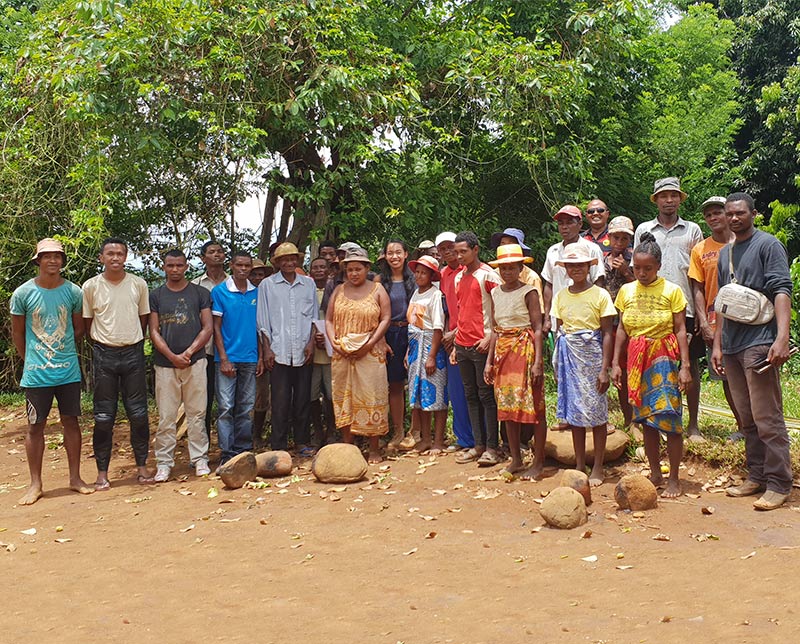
759,402
481,405
236,396
461,425
173,387
119,370
291,390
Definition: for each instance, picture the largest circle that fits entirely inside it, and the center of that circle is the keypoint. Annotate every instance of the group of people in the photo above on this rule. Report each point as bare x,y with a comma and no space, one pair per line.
337,349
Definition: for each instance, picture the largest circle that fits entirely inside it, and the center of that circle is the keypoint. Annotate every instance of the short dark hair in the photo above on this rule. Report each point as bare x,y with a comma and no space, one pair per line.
327,243
240,253
742,196
113,240
648,246
469,237
204,248
319,258
175,252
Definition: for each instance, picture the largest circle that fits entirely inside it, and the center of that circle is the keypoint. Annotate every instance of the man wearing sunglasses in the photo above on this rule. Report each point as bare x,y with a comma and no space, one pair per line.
597,214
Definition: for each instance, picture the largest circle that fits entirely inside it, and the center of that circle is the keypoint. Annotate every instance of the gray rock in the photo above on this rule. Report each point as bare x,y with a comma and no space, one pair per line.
274,464
579,482
559,446
636,492
339,463
564,508
239,470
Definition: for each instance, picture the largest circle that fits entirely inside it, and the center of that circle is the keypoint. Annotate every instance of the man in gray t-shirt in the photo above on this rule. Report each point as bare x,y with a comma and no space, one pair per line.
751,355
180,326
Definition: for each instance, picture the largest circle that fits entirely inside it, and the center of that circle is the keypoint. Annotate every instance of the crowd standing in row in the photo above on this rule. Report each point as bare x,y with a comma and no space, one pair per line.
336,349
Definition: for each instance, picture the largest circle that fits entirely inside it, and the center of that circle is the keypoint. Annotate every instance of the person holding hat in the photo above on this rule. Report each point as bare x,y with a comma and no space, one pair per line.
46,325
356,322
515,365
584,316
703,278
426,357
597,214
677,237
287,308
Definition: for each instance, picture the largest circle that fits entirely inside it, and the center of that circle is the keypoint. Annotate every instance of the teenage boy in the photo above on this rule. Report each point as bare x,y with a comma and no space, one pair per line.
180,326
238,357
46,324
287,308
321,386
115,311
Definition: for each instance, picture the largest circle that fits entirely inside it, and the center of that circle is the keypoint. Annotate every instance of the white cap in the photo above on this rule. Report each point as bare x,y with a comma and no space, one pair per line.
445,237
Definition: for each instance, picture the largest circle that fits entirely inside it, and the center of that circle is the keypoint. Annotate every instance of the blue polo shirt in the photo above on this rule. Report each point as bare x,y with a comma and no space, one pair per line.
238,313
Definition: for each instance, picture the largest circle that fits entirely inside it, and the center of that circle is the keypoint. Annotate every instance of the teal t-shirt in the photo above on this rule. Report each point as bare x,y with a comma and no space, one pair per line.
50,355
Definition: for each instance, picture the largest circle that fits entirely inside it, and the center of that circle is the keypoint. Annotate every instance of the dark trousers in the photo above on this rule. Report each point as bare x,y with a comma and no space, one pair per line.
759,402
481,405
291,391
211,377
119,370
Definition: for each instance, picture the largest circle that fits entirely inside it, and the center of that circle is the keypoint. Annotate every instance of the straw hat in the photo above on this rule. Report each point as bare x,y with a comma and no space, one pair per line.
257,263
49,245
510,254
667,183
284,249
576,254
428,262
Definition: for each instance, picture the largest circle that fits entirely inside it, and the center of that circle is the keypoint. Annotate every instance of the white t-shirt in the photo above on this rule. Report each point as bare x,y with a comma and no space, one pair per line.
116,309
425,310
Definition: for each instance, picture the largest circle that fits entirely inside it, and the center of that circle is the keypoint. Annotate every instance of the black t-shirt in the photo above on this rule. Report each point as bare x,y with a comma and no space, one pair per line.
179,319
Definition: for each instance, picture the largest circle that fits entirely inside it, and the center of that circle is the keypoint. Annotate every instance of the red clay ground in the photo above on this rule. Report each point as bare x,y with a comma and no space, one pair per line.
414,558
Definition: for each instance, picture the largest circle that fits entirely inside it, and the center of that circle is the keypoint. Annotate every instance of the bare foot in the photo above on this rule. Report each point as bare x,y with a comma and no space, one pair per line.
533,472
435,451
102,484
374,458
596,478
513,467
79,486
656,479
33,494
672,491
422,446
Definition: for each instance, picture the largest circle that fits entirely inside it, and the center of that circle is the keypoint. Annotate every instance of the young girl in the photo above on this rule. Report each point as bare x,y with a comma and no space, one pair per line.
398,281
426,359
653,325
584,321
514,364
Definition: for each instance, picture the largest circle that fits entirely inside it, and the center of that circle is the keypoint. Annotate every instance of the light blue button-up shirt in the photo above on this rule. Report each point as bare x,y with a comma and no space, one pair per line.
286,312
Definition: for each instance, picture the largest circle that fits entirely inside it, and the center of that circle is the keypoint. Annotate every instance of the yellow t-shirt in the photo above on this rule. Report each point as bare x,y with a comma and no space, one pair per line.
647,310
582,311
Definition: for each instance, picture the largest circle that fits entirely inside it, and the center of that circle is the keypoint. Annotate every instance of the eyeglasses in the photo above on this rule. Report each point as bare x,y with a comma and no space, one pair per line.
599,211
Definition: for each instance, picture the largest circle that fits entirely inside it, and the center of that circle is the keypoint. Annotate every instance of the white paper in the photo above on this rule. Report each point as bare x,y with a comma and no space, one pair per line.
320,326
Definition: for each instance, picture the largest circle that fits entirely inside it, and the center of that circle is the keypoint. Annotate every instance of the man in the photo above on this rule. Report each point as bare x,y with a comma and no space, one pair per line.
180,326
261,407
115,311
213,257
597,214
327,250
287,308
703,278
238,357
473,286
677,237
46,324
760,262
321,385
462,429
555,277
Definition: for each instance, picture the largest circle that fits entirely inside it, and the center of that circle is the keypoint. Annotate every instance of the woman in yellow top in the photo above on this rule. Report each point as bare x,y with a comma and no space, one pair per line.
653,325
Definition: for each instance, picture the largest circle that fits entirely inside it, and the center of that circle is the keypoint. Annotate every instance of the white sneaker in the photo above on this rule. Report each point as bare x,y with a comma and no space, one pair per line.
202,468
162,474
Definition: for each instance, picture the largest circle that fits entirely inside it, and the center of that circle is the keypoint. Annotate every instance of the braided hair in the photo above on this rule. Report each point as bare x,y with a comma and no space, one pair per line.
648,246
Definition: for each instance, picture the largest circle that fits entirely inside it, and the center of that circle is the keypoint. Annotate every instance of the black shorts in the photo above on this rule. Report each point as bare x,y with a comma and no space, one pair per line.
697,346
40,400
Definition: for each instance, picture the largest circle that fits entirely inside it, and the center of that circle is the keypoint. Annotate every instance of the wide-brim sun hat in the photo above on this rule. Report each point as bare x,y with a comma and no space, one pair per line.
428,262
446,236
257,263
516,233
620,224
49,245
510,254
356,254
569,209
713,201
668,183
348,246
284,249
576,254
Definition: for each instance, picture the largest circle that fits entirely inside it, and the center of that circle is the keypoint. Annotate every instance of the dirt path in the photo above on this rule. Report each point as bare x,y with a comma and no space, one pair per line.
413,557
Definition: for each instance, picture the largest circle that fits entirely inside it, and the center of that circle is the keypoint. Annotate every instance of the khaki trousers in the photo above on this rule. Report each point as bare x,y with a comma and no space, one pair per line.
188,386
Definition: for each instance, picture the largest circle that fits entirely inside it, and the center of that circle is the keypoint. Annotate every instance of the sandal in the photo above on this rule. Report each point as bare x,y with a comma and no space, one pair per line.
307,452
489,459
468,456
144,480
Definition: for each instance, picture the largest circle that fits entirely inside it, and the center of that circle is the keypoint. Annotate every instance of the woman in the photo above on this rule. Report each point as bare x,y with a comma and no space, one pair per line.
399,285
356,323
653,325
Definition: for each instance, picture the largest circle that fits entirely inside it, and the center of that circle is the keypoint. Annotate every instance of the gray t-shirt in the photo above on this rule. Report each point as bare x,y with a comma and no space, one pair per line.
760,263
179,319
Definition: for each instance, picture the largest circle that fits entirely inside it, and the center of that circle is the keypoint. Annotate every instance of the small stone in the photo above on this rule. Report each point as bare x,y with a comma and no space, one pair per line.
559,447
274,464
564,508
636,492
579,482
339,463
239,470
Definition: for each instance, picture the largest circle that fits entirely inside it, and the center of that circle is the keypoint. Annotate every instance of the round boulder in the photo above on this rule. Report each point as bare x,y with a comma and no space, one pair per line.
579,482
564,508
339,463
636,492
559,446
274,464
239,470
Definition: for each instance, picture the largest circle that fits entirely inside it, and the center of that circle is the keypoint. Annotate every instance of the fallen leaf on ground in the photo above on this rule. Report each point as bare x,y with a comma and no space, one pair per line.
342,488
707,510
454,509
430,535
67,540
586,534
427,517
590,558
458,486
186,492
263,522
187,528
283,485
30,531
661,537
484,493
334,497
138,499
297,545
323,494
213,493
624,567
752,554
692,496
468,532
303,492
410,552
9,547
226,501
536,529
440,492
230,520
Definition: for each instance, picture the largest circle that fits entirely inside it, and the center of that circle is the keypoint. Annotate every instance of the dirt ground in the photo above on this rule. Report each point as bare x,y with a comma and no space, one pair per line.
425,552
